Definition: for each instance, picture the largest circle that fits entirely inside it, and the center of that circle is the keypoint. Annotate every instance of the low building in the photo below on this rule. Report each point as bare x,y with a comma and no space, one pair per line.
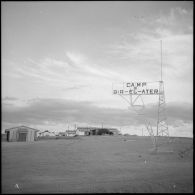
46,133
84,130
62,134
114,131
71,133
21,133
96,131
80,132
3,137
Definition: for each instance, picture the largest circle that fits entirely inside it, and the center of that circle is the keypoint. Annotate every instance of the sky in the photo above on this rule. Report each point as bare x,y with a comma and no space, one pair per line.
61,59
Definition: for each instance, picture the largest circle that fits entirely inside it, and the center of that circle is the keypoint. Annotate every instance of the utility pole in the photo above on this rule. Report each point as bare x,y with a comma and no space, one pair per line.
161,60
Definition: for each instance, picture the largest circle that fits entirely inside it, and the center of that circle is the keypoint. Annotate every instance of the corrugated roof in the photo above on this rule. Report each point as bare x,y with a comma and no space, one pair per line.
13,128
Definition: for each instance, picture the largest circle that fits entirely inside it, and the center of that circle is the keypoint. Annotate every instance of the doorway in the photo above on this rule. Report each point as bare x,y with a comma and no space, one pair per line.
22,137
7,136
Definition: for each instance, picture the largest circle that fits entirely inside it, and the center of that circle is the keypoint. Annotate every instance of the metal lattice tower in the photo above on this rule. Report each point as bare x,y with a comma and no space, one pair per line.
162,127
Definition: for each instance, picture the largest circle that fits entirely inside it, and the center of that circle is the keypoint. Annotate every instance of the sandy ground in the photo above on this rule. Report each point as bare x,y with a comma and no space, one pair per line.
97,164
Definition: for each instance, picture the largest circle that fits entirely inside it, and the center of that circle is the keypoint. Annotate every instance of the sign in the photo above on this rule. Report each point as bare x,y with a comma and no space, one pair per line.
136,88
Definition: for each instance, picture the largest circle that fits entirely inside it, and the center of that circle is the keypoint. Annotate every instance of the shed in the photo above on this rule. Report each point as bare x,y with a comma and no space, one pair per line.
21,133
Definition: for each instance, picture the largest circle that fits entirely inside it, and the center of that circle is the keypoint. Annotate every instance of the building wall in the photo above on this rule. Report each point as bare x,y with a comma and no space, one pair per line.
47,134
30,135
114,131
3,137
14,133
83,130
94,130
80,132
71,134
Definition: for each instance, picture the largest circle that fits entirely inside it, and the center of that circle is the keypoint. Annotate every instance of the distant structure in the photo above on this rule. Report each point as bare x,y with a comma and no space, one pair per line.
21,133
114,131
61,134
71,133
96,131
46,133
84,130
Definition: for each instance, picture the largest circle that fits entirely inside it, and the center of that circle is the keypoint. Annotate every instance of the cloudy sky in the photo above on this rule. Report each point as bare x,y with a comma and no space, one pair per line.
60,60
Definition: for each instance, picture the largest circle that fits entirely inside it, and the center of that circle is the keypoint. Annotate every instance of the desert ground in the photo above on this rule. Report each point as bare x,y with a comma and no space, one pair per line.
98,164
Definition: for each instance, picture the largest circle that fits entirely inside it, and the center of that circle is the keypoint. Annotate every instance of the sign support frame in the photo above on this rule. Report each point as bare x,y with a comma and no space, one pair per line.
162,126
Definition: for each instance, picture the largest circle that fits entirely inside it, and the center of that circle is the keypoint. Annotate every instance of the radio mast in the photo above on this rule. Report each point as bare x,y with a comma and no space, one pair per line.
162,127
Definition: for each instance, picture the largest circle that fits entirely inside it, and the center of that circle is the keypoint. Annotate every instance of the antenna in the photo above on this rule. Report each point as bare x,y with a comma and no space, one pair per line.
161,60
162,127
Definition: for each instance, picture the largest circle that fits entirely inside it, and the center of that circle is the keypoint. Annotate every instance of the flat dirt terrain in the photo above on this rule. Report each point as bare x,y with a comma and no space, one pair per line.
97,164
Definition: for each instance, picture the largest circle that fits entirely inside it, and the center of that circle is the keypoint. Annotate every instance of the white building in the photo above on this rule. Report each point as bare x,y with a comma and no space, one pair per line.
71,133
84,130
80,132
114,131
46,133
62,134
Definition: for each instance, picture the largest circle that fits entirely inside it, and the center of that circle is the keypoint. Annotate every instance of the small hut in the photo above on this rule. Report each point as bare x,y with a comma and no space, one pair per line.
21,133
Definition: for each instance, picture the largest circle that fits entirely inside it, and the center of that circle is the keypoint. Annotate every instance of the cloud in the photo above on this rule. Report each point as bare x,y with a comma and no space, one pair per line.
86,67
74,70
60,111
141,52
9,98
51,77
44,70
177,19
181,129
76,58
174,15
179,111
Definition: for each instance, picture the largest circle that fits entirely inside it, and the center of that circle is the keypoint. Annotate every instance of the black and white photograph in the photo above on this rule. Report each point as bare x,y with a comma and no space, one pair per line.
97,97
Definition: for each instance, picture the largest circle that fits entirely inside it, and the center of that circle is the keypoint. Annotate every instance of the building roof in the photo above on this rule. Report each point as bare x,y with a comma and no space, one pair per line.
70,131
113,130
83,129
47,131
13,128
93,128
